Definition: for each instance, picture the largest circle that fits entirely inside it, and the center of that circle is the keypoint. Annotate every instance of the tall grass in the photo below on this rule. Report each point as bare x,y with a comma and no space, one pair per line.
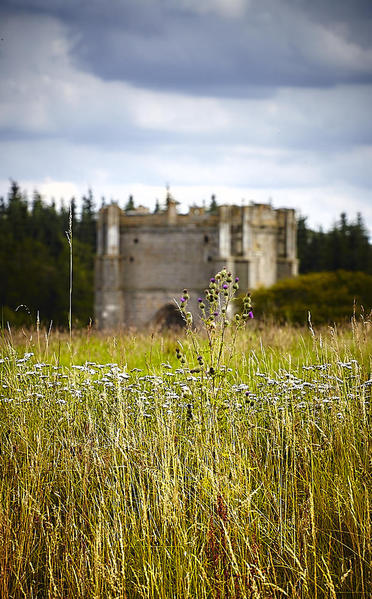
69,235
126,474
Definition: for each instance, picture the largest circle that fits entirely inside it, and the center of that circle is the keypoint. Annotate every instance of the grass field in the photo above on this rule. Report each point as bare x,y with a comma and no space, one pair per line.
241,471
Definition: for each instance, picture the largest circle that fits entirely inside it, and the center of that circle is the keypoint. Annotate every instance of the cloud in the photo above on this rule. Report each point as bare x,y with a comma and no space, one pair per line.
226,48
223,8
269,98
44,95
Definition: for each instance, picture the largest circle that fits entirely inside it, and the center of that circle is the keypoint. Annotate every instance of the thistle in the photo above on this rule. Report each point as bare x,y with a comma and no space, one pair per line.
215,316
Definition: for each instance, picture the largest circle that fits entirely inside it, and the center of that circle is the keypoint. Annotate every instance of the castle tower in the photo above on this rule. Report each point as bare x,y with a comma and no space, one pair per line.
144,260
108,288
171,204
287,262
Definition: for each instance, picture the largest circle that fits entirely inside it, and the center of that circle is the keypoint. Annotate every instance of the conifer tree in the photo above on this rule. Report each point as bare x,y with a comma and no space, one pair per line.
157,206
213,206
130,204
87,224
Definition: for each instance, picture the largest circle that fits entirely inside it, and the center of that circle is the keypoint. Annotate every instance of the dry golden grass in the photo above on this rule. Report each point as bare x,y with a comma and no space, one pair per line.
253,482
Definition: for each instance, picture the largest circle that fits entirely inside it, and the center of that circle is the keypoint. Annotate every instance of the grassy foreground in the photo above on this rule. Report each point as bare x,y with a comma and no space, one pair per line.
128,474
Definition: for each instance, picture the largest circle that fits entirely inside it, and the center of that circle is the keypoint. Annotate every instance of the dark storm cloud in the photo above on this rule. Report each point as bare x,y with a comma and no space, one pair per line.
356,13
178,46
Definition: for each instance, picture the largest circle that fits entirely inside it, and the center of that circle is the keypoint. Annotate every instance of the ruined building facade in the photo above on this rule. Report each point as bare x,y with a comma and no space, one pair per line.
144,260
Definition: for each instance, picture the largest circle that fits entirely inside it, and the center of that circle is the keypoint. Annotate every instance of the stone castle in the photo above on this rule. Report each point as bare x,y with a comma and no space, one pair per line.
144,260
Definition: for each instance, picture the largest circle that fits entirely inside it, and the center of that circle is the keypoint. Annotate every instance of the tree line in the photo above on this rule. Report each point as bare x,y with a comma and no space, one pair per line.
345,246
34,259
34,256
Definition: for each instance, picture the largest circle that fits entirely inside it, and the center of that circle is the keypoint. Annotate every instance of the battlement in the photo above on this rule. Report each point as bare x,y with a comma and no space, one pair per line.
145,259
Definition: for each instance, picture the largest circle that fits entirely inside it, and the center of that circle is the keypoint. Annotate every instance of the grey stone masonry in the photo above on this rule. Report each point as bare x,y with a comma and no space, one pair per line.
145,260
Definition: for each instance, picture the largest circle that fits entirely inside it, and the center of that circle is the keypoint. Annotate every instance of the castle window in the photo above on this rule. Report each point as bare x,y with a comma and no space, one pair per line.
209,258
131,259
206,238
135,240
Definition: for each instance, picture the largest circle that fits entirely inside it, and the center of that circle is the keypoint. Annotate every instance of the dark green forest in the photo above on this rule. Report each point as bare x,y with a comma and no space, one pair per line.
345,246
34,260
34,256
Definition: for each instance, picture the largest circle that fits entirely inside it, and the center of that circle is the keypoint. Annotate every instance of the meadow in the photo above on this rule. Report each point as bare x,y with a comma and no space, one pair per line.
234,463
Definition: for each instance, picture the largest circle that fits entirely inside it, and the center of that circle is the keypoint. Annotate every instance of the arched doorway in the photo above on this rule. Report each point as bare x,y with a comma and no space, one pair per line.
168,317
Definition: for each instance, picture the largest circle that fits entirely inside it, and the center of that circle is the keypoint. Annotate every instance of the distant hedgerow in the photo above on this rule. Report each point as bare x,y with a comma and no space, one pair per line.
329,297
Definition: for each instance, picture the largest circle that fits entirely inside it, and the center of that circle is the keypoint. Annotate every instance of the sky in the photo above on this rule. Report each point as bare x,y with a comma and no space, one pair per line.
263,100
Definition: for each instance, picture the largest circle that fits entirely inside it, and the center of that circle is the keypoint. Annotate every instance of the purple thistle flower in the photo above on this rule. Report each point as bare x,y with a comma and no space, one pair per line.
250,314
200,300
215,313
236,279
182,300
213,280
225,286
